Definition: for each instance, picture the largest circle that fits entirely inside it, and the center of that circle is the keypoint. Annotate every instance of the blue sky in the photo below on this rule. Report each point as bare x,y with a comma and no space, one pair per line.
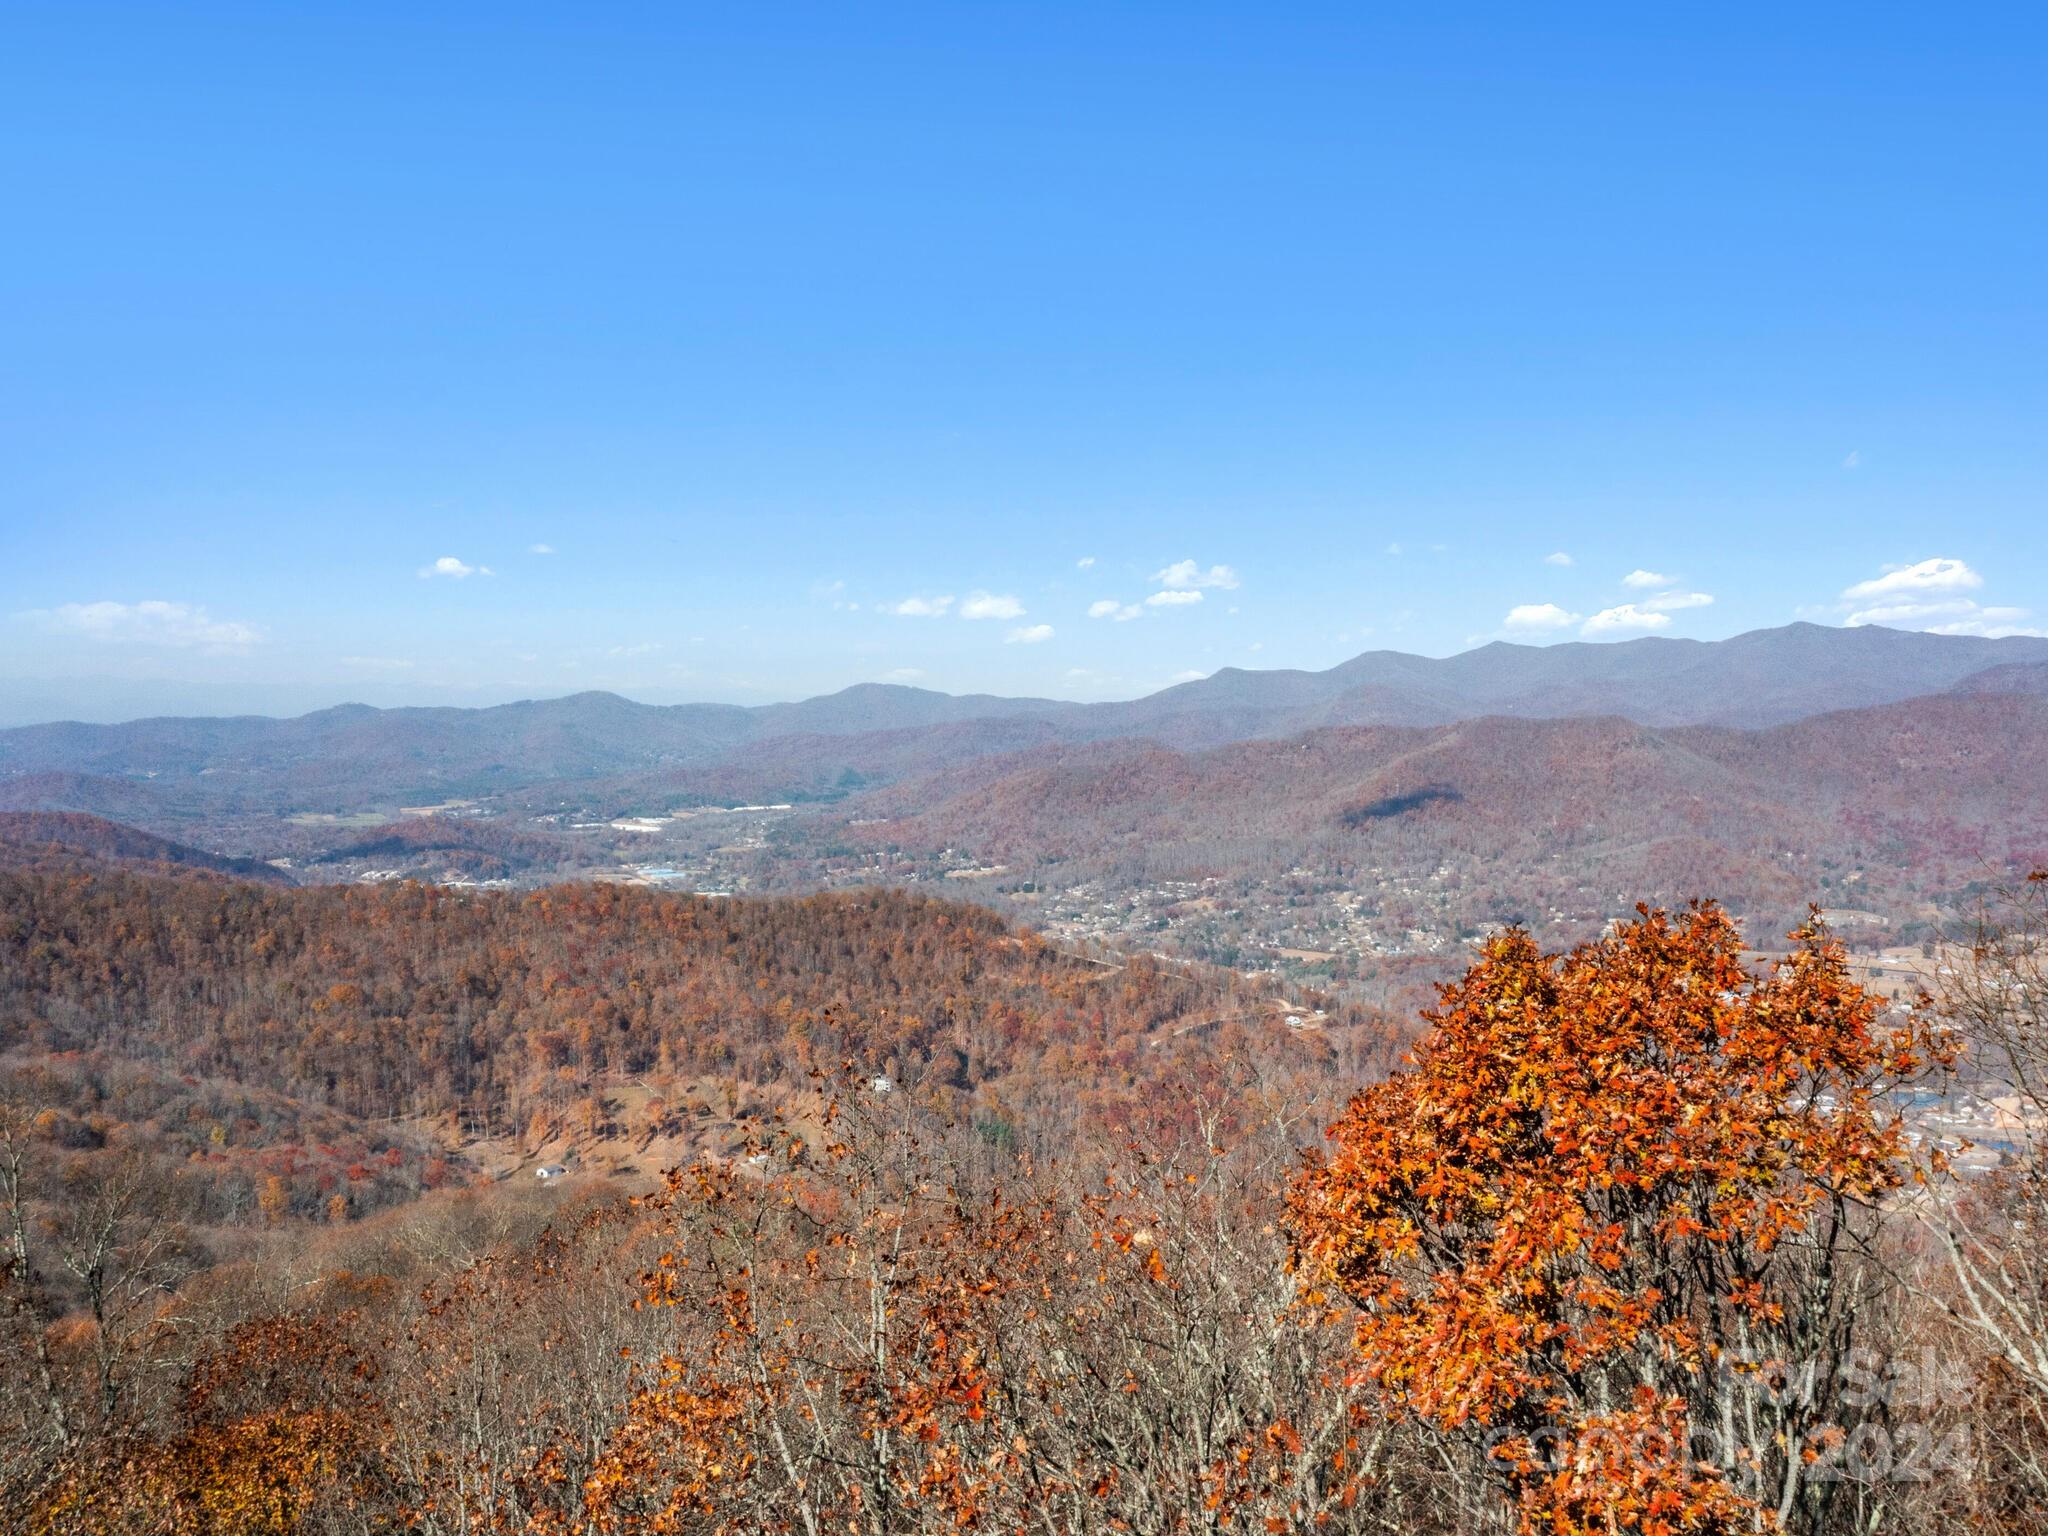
826,344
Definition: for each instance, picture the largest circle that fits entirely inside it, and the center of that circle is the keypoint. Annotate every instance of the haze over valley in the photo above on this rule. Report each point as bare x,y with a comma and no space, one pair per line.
1362,826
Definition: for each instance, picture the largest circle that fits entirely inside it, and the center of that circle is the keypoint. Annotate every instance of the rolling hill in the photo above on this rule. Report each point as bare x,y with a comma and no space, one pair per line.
1898,803
71,840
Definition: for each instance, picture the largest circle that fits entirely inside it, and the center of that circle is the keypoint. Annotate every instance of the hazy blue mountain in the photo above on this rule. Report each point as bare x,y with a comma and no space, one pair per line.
354,755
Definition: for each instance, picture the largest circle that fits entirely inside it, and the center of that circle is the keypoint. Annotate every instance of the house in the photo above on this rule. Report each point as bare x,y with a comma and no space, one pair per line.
550,1172
881,1083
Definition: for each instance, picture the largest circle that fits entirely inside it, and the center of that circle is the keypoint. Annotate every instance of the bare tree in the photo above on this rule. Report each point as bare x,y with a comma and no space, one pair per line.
1993,988
40,1428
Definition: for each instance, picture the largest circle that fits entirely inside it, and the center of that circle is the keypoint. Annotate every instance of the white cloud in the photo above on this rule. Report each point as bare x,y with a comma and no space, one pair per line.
1173,597
990,605
644,648
1987,628
1640,579
923,607
1029,634
1185,576
1084,562
1936,575
540,549
180,626
1928,596
1110,608
1854,460
1189,676
1908,612
1560,558
1627,616
1393,549
1956,616
1539,616
903,675
1671,602
449,566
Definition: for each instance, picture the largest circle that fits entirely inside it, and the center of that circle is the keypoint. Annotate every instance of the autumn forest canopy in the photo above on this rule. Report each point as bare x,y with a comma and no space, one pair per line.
873,1212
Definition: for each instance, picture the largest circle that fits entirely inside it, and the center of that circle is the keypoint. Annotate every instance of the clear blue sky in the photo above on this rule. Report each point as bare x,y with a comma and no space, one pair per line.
769,320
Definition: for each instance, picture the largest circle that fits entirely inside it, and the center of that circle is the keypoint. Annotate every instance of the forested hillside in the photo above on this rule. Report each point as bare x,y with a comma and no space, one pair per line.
68,840
1892,807
486,1015
978,1236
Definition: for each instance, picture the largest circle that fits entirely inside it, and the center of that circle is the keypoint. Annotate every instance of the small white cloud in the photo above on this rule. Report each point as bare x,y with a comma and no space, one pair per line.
1186,576
1671,602
1987,628
1084,562
1189,676
1639,579
1029,634
540,549
644,648
1559,558
1110,608
1393,549
1854,460
1936,575
178,626
923,607
1947,616
1627,616
1909,612
990,605
451,567
903,675
1173,597
1539,616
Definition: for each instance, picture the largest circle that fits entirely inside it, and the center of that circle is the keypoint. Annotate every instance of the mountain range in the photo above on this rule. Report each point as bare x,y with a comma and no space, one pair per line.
355,757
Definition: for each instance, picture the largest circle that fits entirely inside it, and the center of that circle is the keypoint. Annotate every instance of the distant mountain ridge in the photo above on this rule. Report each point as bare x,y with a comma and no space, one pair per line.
1759,678
356,755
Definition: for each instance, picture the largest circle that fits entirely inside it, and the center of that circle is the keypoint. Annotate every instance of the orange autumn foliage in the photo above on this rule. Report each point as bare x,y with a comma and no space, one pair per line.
1618,1189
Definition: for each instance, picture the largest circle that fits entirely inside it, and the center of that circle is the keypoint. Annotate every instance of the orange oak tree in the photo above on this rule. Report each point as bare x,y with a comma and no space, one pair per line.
1604,1235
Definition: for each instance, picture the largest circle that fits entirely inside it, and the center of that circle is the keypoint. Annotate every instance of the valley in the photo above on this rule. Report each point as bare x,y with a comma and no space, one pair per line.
1367,855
